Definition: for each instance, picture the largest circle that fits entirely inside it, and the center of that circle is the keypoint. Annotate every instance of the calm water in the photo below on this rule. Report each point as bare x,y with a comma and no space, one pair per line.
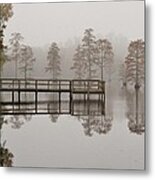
78,142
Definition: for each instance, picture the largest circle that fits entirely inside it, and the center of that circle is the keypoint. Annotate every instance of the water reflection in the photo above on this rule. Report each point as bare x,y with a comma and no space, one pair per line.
53,106
135,113
100,124
93,122
16,122
54,118
96,124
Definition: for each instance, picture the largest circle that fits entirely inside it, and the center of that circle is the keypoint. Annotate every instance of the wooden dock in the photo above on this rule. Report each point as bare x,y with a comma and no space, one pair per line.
46,96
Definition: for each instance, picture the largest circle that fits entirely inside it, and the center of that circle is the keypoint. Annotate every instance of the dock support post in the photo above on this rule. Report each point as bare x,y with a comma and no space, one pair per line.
36,101
103,99
59,102
71,98
19,99
88,97
13,100
36,97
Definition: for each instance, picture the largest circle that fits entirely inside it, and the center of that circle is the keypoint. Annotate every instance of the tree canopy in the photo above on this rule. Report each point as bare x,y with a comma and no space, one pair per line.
135,63
53,58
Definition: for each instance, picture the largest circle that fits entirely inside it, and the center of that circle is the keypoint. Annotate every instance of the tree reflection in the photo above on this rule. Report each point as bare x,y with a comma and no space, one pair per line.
97,124
135,127
27,117
54,118
53,107
16,122
136,124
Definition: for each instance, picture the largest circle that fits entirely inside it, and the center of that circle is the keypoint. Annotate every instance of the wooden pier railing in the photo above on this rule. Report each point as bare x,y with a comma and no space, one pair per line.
20,96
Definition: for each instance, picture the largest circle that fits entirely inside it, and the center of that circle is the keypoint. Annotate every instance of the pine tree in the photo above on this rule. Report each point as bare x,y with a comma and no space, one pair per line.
53,66
26,62
135,69
135,63
89,53
15,48
26,68
78,61
104,56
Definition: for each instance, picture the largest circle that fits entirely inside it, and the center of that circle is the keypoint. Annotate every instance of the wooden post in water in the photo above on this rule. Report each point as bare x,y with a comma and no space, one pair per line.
19,99
88,98
19,94
59,97
70,99
36,96
99,96
103,99
13,99
84,93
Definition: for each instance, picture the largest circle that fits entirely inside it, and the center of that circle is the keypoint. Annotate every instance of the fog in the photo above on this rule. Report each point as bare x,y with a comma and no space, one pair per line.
69,141
40,24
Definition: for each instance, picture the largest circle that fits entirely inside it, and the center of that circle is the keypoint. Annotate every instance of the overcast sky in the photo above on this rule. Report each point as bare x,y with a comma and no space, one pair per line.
50,144
43,23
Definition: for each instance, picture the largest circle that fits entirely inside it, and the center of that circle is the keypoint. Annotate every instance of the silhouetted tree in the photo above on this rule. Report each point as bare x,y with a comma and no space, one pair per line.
53,58
78,63
15,48
135,69
27,61
104,56
26,68
22,55
89,52
5,13
135,63
54,68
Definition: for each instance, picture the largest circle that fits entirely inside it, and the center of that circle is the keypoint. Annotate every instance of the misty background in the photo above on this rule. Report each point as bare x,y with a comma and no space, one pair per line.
64,23
40,142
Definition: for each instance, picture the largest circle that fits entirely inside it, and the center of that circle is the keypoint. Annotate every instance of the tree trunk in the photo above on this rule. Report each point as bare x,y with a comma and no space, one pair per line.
89,76
16,69
137,87
101,68
137,103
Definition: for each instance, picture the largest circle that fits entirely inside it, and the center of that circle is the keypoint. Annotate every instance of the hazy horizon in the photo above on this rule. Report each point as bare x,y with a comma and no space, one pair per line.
41,24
